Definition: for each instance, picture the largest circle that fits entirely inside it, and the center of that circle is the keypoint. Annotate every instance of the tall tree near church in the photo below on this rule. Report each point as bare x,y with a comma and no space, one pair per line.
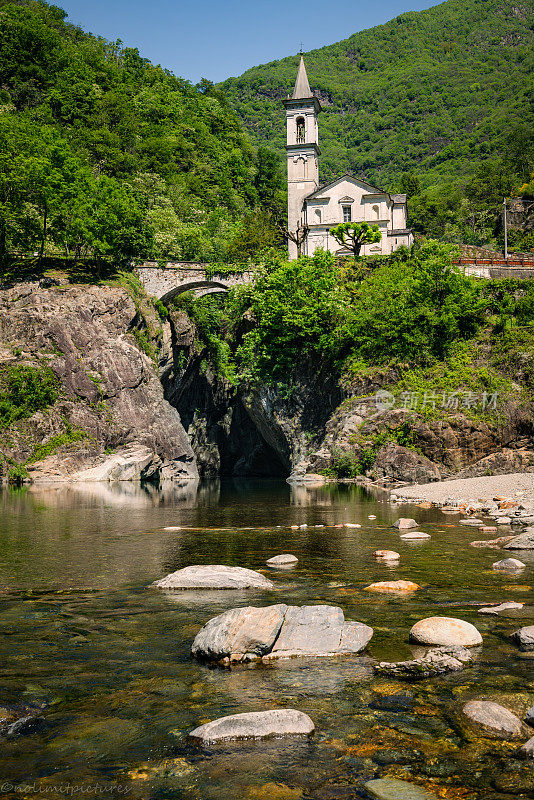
298,236
353,235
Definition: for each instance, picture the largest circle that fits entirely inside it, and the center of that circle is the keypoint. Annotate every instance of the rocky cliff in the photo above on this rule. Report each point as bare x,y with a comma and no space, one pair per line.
110,419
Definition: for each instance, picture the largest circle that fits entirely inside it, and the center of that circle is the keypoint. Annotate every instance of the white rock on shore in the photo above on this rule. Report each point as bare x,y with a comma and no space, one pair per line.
482,489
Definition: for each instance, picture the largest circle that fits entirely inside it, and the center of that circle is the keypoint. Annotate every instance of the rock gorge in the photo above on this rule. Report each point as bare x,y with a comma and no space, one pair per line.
138,399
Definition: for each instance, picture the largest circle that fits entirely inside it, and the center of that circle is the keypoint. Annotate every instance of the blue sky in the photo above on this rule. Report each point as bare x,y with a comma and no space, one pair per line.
215,40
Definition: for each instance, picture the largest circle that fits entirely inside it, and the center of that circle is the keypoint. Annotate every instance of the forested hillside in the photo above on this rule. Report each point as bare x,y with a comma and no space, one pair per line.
104,154
427,103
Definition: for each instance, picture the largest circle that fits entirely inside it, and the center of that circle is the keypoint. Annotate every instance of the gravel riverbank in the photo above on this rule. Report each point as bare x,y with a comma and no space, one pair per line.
470,489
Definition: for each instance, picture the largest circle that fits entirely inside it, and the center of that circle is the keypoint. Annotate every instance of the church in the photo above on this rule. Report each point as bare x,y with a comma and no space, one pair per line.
345,199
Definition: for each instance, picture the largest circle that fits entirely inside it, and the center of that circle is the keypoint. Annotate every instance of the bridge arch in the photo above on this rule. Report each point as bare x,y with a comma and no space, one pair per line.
200,287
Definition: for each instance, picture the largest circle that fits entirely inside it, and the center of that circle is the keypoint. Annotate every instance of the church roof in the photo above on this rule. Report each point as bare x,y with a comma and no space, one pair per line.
302,89
371,189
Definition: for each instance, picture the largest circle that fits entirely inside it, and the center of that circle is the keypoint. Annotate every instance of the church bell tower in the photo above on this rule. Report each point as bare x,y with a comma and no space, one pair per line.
302,110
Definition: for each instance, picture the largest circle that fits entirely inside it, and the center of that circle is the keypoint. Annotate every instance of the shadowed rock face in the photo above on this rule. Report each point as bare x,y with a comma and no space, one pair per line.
109,389
280,631
255,725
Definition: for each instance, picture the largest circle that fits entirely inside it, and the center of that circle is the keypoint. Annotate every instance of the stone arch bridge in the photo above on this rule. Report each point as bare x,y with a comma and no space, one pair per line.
165,282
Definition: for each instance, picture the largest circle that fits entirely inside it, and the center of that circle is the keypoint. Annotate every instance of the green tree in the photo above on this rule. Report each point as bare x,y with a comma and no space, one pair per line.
353,235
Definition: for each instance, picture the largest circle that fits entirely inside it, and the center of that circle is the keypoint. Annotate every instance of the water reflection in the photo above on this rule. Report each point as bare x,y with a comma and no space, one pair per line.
81,632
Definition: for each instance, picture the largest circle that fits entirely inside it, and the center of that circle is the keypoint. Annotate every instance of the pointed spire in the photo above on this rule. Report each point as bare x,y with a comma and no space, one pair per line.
302,89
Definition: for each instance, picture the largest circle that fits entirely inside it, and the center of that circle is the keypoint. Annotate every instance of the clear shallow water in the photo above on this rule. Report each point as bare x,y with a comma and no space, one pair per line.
109,659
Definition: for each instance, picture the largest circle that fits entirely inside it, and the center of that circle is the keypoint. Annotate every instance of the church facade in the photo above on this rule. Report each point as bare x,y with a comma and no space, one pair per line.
345,199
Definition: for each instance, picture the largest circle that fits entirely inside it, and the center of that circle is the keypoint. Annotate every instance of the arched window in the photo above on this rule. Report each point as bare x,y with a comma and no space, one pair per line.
301,130
376,212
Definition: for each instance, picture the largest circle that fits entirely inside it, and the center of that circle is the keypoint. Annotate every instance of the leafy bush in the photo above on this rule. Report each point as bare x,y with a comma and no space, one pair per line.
25,390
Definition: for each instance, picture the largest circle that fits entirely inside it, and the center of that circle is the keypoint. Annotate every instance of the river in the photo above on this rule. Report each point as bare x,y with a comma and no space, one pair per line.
107,660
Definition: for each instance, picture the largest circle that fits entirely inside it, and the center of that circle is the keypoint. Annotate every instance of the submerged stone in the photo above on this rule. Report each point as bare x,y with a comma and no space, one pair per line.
255,725
394,789
527,750
213,576
437,661
414,535
494,719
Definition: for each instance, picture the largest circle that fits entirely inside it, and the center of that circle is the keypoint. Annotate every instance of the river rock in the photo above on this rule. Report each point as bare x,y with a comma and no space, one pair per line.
84,333
529,717
404,523
525,541
524,637
508,563
508,606
527,751
496,543
394,789
281,631
284,560
445,631
414,535
213,576
494,719
240,632
393,586
435,662
503,520
255,725
386,555
472,522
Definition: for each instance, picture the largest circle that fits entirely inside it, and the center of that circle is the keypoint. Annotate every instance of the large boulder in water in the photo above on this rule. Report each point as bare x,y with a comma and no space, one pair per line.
525,541
524,637
445,632
239,631
243,634
213,576
255,725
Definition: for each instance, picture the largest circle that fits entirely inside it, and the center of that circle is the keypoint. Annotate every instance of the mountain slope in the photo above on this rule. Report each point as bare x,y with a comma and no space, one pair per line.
104,154
433,92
